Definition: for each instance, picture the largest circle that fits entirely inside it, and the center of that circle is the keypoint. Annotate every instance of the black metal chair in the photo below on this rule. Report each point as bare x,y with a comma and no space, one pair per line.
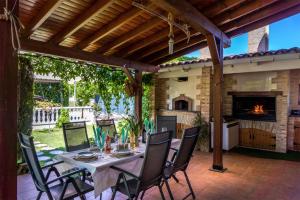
63,187
181,159
75,136
107,126
151,174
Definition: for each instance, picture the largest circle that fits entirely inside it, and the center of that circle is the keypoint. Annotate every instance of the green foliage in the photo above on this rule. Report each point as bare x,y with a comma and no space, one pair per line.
53,92
132,125
25,99
102,80
200,121
146,102
182,58
63,118
45,104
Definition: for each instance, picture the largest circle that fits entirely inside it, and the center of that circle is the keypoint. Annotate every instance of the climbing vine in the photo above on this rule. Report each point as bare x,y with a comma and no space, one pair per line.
95,79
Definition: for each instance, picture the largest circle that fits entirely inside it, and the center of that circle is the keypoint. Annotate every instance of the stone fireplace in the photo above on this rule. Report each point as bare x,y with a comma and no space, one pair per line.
257,106
259,130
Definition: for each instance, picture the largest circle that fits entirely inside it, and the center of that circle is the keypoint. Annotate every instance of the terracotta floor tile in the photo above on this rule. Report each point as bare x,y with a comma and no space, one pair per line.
247,178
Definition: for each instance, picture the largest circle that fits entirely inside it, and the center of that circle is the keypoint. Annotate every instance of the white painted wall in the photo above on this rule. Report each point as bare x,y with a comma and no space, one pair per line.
187,88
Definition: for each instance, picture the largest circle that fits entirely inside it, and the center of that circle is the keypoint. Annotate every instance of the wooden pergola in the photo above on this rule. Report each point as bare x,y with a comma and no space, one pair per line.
116,33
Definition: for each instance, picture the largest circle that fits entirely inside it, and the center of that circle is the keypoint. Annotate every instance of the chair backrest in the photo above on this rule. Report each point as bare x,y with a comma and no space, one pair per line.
156,154
187,146
169,122
107,125
75,136
32,161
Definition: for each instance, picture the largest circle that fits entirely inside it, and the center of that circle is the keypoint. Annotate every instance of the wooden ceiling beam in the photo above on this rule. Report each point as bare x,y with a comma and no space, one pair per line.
181,53
162,45
219,7
41,17
258,15
211,11
263,22
193,17
110,27
248,27
251,18
153,22
243,10
177,47
73,53
81,20
131,48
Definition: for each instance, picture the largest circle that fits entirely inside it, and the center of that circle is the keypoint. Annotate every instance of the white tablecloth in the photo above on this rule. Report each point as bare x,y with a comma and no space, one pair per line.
103,176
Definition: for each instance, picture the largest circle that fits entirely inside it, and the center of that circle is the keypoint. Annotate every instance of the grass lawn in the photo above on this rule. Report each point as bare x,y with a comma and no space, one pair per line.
54,137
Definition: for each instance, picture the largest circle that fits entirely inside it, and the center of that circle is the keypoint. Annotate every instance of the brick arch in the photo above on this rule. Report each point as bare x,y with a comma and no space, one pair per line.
184,98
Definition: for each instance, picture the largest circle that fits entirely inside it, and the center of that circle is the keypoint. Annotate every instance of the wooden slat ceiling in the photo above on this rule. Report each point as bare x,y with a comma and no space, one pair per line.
116,28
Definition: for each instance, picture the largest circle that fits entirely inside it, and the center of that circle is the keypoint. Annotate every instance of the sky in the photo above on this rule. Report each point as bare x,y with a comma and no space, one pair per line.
283,34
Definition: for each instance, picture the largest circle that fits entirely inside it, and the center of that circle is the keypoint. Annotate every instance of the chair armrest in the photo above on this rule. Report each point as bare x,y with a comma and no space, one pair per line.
52,164
124,171
68,175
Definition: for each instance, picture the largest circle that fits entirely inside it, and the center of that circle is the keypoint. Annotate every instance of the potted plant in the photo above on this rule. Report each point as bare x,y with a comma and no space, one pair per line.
203,141
133,127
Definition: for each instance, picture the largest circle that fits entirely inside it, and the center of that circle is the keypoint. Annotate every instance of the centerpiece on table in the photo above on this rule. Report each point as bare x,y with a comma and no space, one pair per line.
133,127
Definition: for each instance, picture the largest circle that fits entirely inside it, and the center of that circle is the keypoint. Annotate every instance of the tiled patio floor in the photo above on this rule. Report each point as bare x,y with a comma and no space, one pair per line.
247,178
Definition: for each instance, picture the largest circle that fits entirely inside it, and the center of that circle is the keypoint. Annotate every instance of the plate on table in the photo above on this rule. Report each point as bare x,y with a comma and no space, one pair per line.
86,154
126,152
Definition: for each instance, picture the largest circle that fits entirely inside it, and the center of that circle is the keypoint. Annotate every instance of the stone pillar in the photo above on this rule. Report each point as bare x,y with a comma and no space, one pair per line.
258,40
204,53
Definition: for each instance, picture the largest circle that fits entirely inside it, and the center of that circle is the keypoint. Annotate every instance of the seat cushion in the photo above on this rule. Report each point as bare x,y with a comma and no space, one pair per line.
70,192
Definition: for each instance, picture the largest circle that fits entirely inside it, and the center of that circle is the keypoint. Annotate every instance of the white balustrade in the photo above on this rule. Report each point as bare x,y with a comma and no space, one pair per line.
43,117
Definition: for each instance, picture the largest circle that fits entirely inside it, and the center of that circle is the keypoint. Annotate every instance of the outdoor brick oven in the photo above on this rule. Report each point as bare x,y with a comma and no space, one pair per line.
182,102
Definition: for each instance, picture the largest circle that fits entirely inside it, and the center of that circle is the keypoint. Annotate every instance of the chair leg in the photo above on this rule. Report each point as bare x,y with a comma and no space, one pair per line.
175,178
169,189
189,184
82,197
114,194
100,196
143,194
161,193
39,196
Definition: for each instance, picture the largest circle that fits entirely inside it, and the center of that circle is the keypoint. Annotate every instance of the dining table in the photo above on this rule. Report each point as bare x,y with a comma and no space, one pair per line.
102,174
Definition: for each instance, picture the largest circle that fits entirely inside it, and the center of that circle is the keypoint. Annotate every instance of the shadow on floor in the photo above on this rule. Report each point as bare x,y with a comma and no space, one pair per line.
289,156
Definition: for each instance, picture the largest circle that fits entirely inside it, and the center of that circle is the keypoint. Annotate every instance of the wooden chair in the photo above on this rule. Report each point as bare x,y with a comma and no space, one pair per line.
181,159
63,187
151,174
75,136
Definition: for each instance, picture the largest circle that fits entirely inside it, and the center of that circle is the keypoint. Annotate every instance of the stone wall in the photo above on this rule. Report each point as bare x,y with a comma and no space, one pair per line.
258,40
294,92
197,88
291,131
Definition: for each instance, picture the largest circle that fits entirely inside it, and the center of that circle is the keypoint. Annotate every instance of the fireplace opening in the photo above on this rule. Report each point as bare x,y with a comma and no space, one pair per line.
181,105
182,102
254,108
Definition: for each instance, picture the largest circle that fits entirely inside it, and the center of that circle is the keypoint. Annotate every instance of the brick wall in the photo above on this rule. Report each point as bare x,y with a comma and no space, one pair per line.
161,95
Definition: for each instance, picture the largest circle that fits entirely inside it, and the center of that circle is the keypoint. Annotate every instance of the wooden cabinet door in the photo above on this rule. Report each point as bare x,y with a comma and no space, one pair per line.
297,136
246,137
